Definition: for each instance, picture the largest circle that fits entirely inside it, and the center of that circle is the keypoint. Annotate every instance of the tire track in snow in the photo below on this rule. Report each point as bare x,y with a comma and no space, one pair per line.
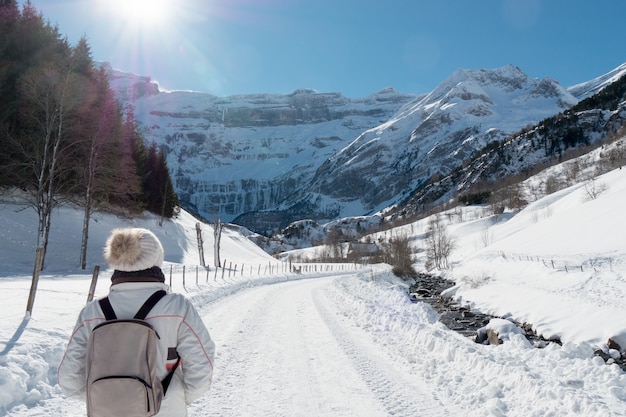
399,394
236,324
275,357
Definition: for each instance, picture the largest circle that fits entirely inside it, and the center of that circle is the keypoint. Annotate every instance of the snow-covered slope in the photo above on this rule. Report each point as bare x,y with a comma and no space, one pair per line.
18,239
589,88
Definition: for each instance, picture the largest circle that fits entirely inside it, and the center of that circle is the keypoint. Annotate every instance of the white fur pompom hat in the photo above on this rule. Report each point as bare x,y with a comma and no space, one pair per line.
133,249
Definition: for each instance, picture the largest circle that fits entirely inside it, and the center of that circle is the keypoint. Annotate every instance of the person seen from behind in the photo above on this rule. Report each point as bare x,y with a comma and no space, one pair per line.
184,347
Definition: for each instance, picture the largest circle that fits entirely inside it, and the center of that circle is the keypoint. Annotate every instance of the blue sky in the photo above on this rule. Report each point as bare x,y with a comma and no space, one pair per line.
355,47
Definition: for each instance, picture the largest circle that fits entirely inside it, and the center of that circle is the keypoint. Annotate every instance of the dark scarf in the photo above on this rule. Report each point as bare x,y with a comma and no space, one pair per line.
153,274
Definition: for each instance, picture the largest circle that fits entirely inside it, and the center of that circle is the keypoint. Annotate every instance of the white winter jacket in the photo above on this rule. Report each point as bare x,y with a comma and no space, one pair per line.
179,327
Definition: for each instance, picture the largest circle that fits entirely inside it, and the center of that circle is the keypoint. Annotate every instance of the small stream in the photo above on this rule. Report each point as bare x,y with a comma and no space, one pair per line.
462,319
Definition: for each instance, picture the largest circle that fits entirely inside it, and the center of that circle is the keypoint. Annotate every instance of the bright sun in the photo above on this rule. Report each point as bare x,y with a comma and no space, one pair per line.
142,12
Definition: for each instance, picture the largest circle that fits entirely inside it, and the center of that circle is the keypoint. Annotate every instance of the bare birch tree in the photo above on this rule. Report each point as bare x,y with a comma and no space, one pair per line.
439,244
50,93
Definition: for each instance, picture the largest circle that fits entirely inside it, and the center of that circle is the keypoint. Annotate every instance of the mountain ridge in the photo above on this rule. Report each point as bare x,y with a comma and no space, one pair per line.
265,160
459,117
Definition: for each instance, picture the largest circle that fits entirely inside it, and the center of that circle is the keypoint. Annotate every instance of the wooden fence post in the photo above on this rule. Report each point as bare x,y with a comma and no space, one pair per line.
200,244
35,281
92,287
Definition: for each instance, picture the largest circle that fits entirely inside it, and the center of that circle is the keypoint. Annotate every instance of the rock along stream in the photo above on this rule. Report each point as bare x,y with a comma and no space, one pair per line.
428,289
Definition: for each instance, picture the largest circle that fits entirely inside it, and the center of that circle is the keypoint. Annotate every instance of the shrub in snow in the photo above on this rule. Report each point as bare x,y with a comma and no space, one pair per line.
399,254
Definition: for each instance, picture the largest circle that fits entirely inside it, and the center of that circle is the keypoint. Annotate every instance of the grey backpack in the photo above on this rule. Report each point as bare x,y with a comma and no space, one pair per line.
122,359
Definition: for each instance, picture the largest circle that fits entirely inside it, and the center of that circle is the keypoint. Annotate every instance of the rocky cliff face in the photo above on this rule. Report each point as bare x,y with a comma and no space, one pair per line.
130,87
250,153
265,160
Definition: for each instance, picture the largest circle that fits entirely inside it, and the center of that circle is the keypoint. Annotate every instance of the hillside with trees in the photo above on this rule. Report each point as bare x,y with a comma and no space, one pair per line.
493,173
65,136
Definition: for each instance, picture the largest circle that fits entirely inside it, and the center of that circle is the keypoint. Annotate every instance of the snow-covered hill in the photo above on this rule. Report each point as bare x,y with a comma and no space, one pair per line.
18,239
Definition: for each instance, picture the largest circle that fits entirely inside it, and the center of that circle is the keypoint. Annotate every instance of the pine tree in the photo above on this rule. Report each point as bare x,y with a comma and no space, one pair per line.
127,181
151,180
81,57
158,189
170,203
9,18
102,132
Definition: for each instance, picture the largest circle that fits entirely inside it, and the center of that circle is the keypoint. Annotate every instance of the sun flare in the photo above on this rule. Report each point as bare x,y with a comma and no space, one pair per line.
142,12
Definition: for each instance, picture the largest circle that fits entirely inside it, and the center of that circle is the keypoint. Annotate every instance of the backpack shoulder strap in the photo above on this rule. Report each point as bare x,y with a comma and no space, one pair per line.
108,311
149,304
166,381
141,314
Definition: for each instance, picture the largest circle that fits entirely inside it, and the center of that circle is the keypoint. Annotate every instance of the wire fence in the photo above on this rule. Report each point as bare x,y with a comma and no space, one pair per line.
180,275
184,274
596,264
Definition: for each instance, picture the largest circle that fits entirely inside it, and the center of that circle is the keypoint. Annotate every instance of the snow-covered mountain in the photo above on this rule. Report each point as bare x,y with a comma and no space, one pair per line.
435,134
233,155
265,160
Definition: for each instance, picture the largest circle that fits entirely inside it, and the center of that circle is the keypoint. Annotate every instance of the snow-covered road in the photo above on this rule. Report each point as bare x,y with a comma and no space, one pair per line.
348,345
287,350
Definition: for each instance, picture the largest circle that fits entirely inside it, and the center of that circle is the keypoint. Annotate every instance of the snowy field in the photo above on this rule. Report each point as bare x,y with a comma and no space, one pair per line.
349,342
